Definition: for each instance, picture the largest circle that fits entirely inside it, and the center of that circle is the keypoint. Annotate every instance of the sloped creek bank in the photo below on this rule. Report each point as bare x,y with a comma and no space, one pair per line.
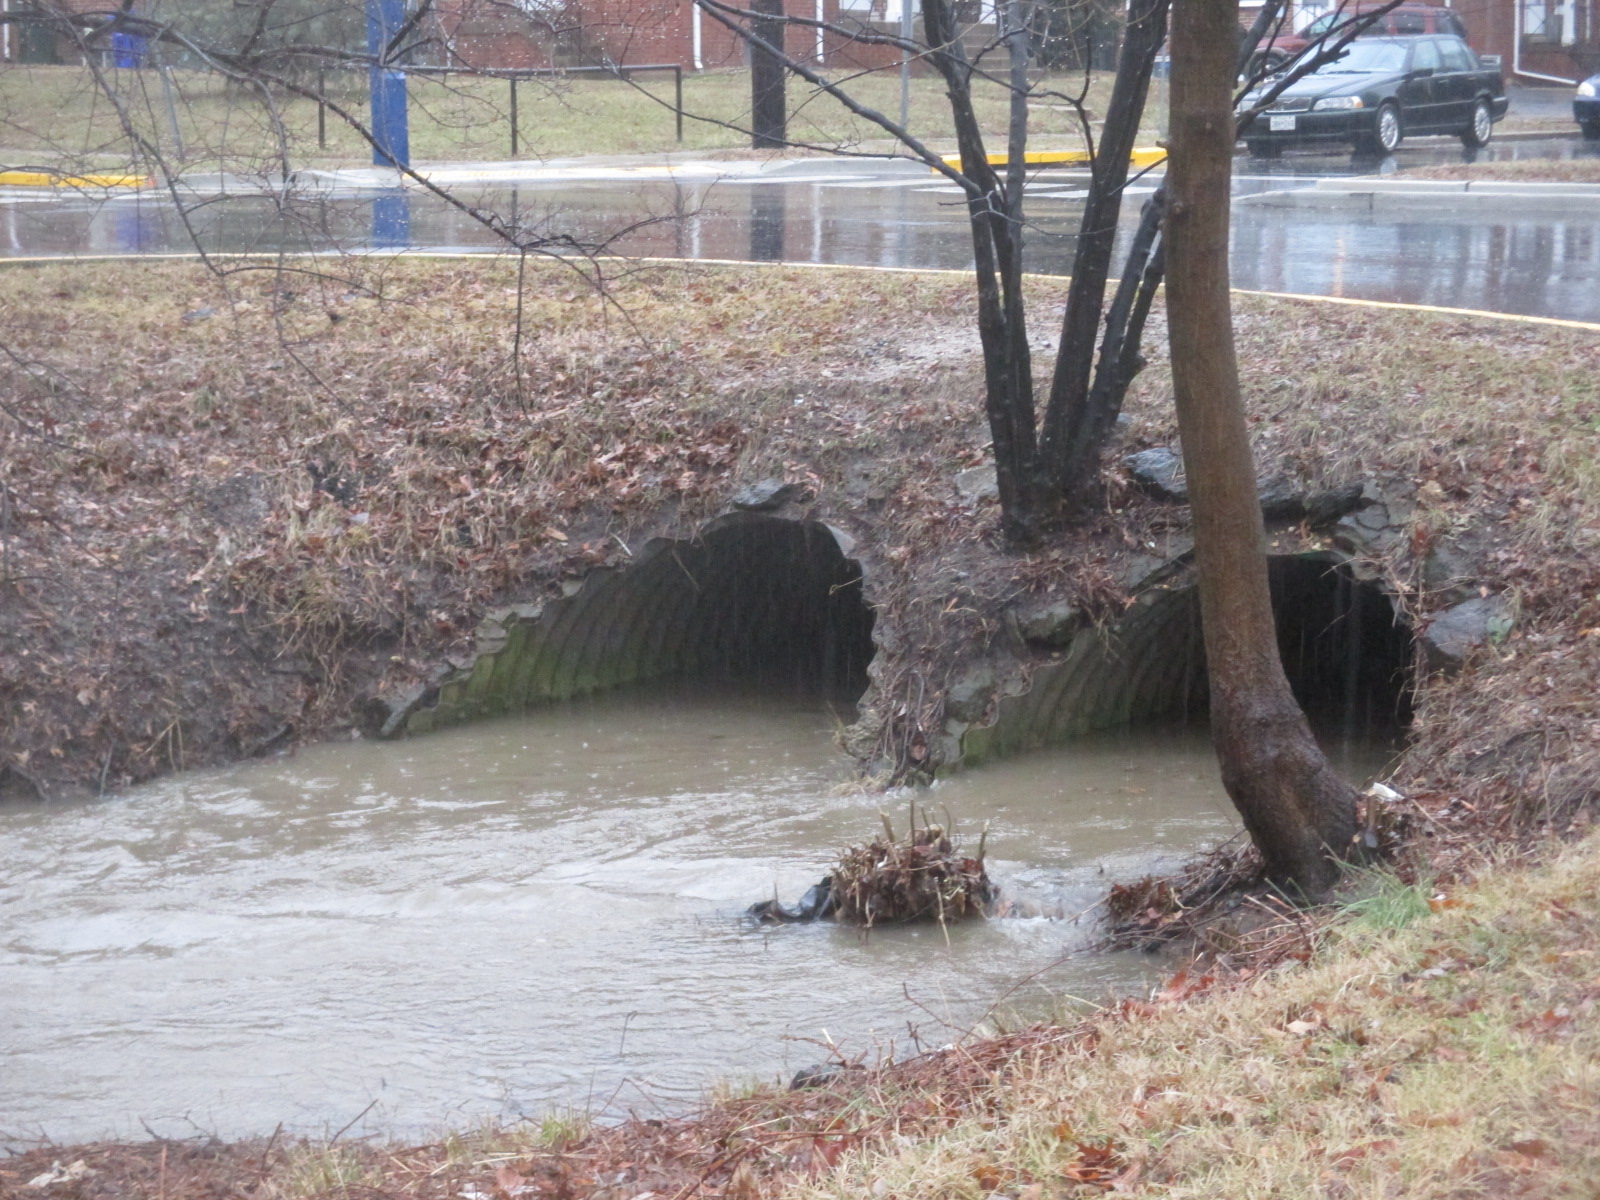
277,508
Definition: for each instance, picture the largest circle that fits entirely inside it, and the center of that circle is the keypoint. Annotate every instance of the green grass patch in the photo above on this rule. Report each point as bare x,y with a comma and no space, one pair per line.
64,115
1384,901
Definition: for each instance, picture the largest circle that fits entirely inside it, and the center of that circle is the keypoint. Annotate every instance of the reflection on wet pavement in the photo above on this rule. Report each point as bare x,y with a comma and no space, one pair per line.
896,215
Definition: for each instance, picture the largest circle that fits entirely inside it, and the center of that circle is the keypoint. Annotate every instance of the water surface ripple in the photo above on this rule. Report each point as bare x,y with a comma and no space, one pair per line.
526,914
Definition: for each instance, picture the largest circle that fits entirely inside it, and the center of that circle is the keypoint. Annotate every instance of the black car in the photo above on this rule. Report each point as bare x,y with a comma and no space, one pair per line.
1380,90
1586,107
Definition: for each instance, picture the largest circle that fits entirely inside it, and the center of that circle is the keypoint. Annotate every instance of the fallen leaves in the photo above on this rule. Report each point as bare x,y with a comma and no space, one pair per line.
398,464
1100,1164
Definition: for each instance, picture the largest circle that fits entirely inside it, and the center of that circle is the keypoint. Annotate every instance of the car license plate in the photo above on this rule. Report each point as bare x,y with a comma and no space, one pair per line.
1280,124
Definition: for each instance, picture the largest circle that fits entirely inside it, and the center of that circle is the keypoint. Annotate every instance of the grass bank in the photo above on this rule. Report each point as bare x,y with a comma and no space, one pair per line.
1422,1042
237,505
1527,170
62,114
270,495
1434,1045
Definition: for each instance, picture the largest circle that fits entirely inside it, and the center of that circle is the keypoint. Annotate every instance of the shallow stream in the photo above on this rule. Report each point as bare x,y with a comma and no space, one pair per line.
527,915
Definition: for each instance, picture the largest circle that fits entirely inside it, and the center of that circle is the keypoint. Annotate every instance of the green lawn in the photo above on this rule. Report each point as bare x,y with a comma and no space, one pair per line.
62,115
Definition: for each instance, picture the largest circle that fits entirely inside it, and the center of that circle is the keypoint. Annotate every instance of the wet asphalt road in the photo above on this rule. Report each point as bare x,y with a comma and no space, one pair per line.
892,214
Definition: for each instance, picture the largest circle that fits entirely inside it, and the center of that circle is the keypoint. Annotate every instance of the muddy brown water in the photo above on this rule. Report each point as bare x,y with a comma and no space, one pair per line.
531,915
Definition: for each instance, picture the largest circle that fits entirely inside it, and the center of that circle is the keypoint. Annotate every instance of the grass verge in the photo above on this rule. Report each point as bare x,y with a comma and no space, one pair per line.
1525,170
63,115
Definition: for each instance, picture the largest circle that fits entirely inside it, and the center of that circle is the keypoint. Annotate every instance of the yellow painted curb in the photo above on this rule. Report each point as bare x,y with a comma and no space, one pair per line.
1142,156
1441,310
1309,297
47,179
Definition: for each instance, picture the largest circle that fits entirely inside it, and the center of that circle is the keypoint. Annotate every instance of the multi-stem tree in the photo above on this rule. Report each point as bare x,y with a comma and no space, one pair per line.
1300,814
1047,464
1041,466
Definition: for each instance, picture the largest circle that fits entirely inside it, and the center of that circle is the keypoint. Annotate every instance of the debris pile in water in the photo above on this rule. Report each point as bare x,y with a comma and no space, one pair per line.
889,881
1157,909
921,878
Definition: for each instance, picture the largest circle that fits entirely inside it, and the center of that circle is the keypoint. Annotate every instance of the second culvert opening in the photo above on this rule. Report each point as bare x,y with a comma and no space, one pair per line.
1346,651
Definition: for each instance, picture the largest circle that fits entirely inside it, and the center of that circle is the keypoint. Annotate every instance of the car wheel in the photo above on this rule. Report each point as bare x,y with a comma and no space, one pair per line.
1263,149
1387,132
1481,128
1591,130
1262,65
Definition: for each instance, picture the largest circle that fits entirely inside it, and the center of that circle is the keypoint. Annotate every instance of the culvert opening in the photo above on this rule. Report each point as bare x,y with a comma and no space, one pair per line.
1347,652
1345,649
753,601
769,602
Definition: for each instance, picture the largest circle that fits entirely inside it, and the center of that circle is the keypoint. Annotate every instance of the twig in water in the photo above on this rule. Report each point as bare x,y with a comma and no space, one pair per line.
271,1141
353,1120
105,768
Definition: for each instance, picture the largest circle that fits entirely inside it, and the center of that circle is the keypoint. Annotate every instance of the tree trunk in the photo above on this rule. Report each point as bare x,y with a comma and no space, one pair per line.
1120,356
768,119
1073,431
1300,814
994,214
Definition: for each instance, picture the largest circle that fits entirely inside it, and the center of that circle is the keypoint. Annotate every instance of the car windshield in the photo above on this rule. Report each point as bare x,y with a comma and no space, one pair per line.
1367,56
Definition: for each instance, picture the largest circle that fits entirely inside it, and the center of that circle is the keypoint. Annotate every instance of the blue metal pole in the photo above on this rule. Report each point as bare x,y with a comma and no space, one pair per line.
391,220
390,131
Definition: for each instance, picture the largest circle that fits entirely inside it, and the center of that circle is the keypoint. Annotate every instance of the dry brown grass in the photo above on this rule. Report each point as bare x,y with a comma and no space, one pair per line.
282,473
1438,1046
1527,170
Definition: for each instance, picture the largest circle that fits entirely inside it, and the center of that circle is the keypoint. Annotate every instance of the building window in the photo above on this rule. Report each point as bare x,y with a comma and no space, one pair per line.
1539,20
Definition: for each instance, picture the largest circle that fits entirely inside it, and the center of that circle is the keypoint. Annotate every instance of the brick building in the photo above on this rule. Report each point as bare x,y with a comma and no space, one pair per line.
492,34
1555,41
1552,41
501,34
679,31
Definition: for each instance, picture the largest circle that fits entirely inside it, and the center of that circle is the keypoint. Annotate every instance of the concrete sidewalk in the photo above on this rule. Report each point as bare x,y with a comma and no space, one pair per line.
653,168
1376,194
1543,102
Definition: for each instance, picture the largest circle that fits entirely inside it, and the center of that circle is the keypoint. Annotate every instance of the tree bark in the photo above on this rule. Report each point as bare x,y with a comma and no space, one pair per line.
1120,356
1073,431
1300,814
768,118
994,215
